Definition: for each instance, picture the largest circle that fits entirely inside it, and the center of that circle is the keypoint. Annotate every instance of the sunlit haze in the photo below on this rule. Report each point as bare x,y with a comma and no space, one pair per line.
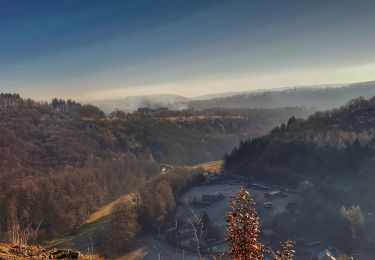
91,50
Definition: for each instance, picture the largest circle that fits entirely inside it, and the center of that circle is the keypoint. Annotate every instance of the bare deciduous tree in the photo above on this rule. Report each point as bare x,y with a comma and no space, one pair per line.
18,233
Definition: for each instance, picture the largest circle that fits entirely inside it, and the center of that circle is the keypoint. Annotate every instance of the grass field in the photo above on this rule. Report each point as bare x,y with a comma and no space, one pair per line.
212,166
105,211
81,236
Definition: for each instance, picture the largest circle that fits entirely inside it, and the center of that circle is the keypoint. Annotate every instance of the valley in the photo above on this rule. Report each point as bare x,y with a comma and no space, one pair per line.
187,130
150,177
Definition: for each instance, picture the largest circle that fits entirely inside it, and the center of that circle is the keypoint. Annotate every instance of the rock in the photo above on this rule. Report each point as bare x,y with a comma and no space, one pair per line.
18,252
64,254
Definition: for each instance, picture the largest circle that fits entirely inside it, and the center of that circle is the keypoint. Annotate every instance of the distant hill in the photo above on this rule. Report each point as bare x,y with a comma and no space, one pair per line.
260,91
319,96
132,103
221,95
322,97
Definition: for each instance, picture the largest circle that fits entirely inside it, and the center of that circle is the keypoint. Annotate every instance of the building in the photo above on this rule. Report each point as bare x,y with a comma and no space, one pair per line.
268,205
211,177
180,233
259,186
212,197
273,194
164,168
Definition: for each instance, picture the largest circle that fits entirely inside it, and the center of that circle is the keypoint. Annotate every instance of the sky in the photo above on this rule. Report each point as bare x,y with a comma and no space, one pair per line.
95,50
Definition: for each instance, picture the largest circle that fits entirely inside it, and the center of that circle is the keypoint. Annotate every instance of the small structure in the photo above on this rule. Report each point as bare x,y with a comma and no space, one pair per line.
211,177
165,167
212,197
259,186
180,233
206,200
273,194
268,205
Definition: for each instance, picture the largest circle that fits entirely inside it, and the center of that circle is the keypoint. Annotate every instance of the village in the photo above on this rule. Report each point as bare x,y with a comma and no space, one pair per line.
198,230
200,221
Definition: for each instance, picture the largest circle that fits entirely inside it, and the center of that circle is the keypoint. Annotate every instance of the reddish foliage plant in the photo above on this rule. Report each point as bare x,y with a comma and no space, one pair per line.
243,228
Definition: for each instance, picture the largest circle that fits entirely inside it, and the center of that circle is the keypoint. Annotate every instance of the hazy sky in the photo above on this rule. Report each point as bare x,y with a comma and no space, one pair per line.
87,49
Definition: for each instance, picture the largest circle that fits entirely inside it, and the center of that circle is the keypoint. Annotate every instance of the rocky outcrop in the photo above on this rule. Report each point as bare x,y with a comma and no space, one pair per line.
20,252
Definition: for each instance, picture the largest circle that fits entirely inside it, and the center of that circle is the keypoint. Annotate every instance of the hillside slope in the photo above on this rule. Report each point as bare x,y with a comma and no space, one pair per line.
60,161
330,160
190,137
337,143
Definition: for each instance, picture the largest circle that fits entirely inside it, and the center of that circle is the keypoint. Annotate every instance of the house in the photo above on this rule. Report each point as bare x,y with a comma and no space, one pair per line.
259,186
165,167
273,194
268,205
211,177
180,233
163,170
212,197
168,166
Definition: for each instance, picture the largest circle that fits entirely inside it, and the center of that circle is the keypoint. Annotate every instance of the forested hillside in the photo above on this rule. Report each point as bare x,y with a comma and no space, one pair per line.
191,137
56,166
60,160
320,98
337,143
330,158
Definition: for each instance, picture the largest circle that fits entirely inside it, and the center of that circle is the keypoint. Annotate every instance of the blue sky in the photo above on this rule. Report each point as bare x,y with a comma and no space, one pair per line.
109,49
